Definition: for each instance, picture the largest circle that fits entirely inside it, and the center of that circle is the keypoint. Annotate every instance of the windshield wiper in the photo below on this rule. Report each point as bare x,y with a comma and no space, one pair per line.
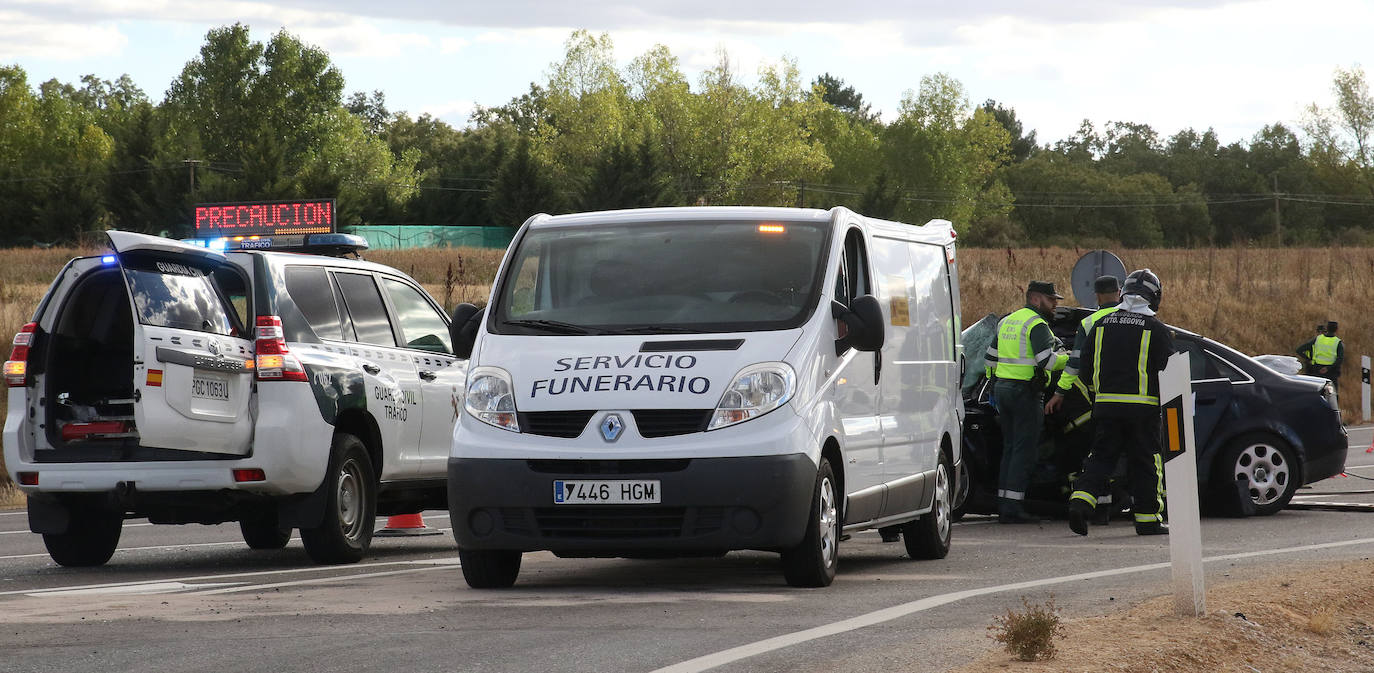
653,329
556,326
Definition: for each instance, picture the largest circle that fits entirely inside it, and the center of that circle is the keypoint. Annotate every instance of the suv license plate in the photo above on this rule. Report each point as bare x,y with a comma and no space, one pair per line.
208,388
618,492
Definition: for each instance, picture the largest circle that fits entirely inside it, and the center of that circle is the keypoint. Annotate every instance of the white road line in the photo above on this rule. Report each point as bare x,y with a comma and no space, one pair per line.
898,611
319,580
19,513
127,525
445,561
157,548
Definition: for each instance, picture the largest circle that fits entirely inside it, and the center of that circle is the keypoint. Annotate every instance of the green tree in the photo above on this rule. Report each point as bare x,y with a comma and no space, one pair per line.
524,186
1022,143
844,98
1347,129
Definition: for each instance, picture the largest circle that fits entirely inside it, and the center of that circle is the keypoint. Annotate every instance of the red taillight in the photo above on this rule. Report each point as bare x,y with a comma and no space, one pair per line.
249,474
17,367
274,362
28,478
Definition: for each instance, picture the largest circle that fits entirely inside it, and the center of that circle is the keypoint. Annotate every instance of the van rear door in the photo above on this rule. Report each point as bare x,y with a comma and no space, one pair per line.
193,376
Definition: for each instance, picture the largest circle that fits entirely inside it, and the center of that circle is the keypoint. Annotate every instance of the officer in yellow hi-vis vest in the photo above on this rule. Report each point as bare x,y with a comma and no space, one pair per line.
1123,354
1324,354
1017,363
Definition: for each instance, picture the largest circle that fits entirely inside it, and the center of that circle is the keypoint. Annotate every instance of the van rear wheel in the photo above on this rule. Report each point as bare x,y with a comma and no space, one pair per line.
350,510
91,538
928,537
813,561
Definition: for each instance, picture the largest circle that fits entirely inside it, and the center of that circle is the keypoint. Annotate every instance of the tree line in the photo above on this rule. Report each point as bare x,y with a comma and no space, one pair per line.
248,120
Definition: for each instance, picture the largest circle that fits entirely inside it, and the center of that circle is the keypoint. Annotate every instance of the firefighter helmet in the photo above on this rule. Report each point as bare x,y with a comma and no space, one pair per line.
1146,284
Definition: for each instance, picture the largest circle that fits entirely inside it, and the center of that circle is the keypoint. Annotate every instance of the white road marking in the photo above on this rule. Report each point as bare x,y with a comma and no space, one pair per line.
898,611
321,580
150,588
127,525
157,548
445,561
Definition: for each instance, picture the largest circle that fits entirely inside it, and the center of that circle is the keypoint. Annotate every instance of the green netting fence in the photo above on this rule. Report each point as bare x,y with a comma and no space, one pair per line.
394,236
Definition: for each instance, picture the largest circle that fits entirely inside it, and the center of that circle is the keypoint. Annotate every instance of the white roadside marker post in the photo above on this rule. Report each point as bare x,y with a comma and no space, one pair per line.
1185,525
1364,384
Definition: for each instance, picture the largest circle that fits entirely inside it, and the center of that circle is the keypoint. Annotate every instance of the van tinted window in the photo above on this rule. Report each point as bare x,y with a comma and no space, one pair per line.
662,277
366,309
177,295
309,289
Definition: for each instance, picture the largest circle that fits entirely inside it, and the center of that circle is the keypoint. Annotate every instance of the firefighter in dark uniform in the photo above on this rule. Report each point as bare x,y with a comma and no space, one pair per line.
1073,398
1018,363
1122,355
1325,354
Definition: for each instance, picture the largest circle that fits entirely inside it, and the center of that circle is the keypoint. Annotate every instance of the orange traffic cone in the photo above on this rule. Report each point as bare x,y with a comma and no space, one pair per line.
406,525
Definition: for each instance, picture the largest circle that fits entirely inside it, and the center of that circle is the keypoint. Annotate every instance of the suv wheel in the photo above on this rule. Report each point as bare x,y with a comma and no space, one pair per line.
263,532
350,509
91,537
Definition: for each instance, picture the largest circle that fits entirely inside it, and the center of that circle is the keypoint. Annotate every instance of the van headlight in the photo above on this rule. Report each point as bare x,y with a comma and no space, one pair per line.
757,390
490,398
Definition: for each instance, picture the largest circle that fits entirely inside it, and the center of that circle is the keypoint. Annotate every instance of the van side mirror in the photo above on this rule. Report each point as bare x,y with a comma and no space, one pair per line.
864,318
462,329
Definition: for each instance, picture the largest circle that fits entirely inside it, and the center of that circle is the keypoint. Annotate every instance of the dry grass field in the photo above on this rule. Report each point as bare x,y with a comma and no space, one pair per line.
1258,300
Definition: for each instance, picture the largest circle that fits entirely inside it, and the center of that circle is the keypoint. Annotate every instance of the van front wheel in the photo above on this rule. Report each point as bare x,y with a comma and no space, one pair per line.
350,510
489,568
812,562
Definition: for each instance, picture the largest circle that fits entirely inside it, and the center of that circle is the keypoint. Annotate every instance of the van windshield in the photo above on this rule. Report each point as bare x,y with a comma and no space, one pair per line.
662,278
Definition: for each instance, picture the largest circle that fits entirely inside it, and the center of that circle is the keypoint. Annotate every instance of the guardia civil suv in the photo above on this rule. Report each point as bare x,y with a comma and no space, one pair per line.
189,385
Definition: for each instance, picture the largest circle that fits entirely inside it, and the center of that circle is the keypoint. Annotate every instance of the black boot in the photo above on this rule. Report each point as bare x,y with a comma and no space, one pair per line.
1102,514
1078,516
1014,512
1150,528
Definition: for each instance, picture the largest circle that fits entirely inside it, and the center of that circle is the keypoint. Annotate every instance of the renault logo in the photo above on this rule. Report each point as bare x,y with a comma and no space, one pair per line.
611,427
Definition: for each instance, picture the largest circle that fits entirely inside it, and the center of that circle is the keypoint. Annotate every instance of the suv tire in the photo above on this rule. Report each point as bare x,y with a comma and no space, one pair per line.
91,538
350,510
264,533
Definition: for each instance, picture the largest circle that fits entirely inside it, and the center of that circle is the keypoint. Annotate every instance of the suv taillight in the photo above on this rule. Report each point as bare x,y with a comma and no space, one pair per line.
17,367
274,361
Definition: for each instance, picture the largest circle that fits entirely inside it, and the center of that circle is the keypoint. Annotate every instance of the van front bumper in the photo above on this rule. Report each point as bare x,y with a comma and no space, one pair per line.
707,505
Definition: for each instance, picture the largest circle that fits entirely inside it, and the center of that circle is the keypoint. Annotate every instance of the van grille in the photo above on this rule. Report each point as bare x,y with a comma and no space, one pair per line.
627,523
670,422
565,424
651,422
604,467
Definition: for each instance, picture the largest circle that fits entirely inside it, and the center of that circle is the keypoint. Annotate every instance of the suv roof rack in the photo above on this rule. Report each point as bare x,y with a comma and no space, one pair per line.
333,244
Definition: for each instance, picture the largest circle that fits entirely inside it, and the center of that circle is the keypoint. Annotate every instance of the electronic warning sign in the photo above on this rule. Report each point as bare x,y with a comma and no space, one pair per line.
265,218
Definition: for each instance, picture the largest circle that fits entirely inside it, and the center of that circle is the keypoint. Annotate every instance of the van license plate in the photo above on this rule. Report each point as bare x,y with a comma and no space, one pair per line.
619,492
207,388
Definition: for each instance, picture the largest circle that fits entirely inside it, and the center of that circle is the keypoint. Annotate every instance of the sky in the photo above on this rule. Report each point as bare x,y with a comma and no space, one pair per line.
1234,66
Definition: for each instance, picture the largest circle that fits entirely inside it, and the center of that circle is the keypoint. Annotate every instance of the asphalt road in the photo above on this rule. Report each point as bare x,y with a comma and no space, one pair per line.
189,598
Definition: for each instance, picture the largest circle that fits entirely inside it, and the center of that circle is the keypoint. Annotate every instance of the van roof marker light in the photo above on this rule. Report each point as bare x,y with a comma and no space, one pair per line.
772,229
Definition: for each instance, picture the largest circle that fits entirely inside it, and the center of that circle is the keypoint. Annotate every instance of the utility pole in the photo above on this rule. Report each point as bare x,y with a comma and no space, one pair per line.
1278,226
191,164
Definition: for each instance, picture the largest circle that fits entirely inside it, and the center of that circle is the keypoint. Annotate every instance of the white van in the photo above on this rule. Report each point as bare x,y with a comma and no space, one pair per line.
690,381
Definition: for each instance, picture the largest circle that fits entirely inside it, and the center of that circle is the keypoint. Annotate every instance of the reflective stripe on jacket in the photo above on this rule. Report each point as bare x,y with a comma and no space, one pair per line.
1324,350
